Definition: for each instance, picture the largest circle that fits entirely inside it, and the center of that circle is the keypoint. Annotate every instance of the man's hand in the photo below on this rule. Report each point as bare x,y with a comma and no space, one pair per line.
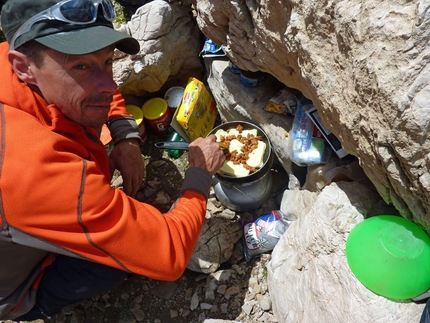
206,153
127,158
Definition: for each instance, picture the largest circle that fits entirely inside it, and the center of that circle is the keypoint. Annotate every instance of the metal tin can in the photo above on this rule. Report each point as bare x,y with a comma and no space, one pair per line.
251,79
137,114
173,97
158,116
233,68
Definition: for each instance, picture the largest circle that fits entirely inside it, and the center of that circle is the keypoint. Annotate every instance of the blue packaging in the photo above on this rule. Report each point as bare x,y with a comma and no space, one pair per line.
211,49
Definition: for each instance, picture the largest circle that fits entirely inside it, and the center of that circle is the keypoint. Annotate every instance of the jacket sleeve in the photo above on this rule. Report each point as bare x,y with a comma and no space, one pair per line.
121,124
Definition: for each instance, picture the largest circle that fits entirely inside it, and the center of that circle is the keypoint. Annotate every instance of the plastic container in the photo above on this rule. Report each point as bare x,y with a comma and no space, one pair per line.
137,114
158,116
307,144
173,97
390,256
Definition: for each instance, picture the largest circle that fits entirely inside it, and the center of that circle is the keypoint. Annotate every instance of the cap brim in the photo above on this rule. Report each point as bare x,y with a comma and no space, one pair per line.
88,40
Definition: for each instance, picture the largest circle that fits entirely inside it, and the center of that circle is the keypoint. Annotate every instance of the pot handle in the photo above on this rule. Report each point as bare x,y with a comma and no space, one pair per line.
179,145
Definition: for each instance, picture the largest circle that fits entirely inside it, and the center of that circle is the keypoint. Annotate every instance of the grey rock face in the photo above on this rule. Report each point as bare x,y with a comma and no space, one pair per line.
364,66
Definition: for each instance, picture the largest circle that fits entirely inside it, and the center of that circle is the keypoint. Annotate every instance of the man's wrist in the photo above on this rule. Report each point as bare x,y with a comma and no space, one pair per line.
124,127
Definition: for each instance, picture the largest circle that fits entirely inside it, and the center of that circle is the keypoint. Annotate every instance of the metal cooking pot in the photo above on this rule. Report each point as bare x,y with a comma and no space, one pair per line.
267,157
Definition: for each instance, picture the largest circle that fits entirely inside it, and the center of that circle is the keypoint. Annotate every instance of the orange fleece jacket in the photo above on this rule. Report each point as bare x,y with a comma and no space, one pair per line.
55,192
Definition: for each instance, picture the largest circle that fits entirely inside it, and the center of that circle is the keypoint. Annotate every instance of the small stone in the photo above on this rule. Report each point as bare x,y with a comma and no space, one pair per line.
233,290
137,300
162,198
214,309
247,308
209,295
266,304
205,306
165,289
202,317
234,305
139,314
194,301
186,312
221,289
228,214
188,293
173,314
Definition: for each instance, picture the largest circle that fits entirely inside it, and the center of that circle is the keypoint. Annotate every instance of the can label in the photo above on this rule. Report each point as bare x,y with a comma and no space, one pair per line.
160,125
251,82
233,68
142,132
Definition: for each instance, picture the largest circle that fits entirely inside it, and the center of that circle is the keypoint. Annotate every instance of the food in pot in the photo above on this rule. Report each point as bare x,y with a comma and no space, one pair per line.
244,151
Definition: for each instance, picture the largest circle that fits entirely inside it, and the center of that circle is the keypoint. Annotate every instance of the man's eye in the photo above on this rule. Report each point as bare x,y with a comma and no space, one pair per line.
81,67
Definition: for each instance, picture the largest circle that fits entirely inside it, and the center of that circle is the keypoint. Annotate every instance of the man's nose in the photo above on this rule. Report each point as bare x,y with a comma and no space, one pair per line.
105,82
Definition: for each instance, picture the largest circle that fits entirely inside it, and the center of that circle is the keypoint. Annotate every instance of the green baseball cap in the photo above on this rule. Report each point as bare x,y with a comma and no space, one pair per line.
65,37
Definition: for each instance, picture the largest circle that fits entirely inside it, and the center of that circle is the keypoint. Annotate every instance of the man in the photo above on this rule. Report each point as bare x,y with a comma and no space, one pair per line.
66,235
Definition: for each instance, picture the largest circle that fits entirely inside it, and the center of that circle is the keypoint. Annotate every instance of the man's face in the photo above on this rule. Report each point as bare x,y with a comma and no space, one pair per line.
80,86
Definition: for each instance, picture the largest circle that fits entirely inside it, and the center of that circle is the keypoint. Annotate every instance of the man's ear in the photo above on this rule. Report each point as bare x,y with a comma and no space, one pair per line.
21,65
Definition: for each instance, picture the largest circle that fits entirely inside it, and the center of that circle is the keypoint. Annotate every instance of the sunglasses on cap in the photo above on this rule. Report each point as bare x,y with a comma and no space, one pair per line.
77,12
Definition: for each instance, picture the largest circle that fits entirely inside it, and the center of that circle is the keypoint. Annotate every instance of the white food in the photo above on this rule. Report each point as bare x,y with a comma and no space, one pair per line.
255,158
235,145
234,170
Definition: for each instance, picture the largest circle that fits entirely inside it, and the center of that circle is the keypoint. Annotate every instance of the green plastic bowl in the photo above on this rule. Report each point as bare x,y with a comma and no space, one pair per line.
390,256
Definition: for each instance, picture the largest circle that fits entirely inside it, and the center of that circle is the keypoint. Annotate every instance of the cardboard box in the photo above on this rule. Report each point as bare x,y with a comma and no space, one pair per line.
196,115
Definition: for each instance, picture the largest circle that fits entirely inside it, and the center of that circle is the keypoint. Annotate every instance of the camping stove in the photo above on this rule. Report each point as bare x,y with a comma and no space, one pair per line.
242,197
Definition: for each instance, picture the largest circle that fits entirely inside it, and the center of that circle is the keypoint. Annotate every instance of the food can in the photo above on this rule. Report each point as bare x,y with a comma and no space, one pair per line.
106,139
233,68
251,79
173,97
137,114
157,115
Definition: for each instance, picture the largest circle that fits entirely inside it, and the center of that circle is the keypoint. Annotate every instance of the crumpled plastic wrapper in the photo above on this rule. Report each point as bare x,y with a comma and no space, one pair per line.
264,233
283,102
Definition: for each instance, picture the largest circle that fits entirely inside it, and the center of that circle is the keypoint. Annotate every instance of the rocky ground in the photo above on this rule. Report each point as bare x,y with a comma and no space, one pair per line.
237,291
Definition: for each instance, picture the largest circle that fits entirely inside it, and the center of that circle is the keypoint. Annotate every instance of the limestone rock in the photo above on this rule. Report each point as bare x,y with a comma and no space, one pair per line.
169,55
335,170
363,64
215,245
309,276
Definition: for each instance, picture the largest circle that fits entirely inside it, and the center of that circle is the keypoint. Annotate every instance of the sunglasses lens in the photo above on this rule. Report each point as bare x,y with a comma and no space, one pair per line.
108,10
79,10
